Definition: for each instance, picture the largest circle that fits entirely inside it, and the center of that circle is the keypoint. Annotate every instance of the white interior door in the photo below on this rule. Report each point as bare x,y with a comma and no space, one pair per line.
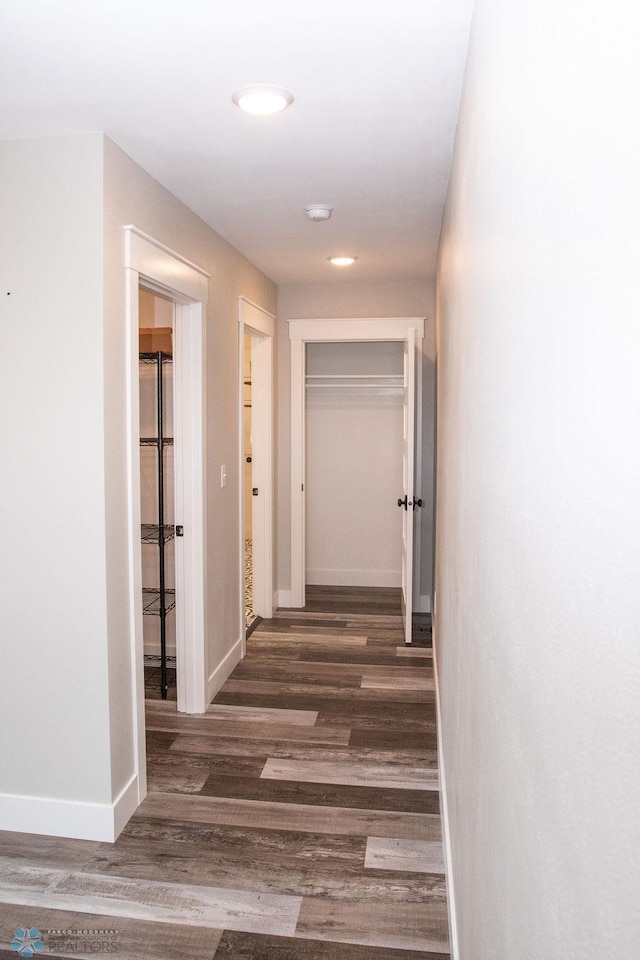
259,327
408,479
262,468
298,475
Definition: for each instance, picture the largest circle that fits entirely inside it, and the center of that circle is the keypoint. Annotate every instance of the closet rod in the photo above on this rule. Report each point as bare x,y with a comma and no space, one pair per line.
354,376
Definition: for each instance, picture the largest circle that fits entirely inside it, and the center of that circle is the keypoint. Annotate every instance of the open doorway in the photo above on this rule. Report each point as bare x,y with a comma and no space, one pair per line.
354,431
168,276
157,494
408,331
256,330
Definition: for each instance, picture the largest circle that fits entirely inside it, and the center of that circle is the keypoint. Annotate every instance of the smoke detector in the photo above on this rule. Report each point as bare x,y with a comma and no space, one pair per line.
318,212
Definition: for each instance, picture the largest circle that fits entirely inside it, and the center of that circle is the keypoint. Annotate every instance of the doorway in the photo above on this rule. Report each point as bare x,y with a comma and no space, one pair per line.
256,329
409,331
157,494
165,273
353,412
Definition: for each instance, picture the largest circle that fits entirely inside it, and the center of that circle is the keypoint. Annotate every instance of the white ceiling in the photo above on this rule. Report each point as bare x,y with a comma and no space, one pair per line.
376,86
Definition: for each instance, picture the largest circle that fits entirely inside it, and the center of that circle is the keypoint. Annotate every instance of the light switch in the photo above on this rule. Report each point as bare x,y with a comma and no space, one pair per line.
223,476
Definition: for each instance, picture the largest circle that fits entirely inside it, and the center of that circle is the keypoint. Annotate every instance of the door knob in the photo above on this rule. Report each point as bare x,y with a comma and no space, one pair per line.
403,503
417,503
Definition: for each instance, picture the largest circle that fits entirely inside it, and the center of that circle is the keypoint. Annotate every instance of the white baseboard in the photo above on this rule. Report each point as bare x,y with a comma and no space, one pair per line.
69,818
125,806
282,598
223,670
355,578
444,809
423,604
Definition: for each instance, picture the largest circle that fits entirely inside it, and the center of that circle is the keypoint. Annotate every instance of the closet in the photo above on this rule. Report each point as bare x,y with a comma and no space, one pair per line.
354,430
158,529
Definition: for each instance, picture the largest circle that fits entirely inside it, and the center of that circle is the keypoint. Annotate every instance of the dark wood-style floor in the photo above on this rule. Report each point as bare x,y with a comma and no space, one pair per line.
297,819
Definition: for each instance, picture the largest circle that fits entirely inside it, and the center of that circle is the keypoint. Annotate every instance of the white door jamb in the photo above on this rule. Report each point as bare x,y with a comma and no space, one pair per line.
302,332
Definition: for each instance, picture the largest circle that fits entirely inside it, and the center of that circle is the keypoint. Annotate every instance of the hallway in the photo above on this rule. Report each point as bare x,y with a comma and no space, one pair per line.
298,818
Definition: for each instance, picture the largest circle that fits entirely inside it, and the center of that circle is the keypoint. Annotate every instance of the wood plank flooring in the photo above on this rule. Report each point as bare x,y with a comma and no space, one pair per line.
298,819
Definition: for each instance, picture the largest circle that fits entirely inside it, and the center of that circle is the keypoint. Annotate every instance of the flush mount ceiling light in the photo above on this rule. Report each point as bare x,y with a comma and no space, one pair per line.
318,212
342,261
262,98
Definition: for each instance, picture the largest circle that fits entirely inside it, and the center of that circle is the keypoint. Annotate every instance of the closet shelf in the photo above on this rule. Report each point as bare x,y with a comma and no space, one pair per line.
151,601
153,441
151,533
356,381
355,376
153,357
355,385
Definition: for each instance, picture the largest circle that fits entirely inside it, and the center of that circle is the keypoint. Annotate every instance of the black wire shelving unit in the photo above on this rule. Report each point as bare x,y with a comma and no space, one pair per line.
159,600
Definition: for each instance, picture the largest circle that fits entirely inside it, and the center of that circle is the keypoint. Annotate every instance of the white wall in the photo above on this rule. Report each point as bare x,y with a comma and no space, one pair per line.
67,748
54,709
354,299
538,524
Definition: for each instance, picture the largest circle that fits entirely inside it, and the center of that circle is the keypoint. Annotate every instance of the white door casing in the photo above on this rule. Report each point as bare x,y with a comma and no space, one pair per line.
260,326
352,329
190,505
161,270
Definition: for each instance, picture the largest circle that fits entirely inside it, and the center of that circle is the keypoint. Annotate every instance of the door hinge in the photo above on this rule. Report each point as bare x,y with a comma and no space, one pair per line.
255,491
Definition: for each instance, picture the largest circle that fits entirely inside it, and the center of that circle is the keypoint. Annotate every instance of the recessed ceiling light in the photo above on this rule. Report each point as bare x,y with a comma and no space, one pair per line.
262,98
342,261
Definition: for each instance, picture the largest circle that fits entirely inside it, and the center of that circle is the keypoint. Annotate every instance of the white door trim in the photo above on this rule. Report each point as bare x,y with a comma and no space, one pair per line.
260,325
190,507
302,332
161,269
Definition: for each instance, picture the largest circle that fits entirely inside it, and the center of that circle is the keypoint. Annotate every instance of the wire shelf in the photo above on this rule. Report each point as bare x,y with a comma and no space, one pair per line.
151,601
153,357
158,601
151,533
153,441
